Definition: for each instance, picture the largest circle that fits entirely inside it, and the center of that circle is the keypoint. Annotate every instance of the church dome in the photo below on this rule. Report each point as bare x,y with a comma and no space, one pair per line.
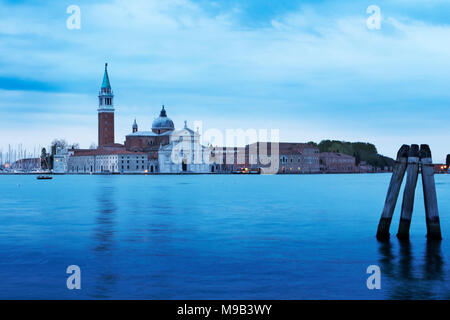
163,122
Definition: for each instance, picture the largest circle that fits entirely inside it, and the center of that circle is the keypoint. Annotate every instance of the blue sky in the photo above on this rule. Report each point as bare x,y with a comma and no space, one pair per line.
311,69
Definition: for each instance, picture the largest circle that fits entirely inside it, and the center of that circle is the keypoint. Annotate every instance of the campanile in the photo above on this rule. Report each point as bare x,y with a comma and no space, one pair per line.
105,112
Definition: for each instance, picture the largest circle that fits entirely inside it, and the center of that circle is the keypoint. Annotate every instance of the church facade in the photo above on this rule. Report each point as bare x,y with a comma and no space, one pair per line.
163,149
170,150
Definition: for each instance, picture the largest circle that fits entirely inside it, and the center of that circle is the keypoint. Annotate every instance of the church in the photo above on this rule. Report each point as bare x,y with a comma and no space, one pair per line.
163,149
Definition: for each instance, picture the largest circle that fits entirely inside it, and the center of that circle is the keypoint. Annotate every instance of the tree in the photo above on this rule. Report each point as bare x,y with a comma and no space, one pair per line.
44,161
59,143
93,146
357,158
362,151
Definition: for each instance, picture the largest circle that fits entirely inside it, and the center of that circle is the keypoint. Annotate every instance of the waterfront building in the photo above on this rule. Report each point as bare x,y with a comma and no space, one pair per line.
299,158
109,161
184,153
335,162
60,160
291,157
175,151
364,167
150,141
441,168
227,159
267,157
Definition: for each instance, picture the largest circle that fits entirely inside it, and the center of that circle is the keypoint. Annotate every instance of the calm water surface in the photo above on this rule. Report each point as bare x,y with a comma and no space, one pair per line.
214,237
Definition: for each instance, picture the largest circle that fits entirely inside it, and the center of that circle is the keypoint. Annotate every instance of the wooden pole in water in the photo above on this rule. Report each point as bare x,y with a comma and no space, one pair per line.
429,192
393,191
410,190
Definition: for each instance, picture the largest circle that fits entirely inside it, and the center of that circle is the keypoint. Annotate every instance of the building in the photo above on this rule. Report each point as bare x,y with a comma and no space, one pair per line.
172,151
150,141
227,159
441,168
61,159
299,158
108,161
335,162
364,167
267,157
283,157
163,149
184,153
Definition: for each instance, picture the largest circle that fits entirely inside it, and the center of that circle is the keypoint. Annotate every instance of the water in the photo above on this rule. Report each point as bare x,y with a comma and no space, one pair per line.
214,237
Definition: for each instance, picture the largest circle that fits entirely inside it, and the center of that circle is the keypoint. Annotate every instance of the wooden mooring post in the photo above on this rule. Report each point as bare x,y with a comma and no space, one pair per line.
412,172
410,159
393,192
429,193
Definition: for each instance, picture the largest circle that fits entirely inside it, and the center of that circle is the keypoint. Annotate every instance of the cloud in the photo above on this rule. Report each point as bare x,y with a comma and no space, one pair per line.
315,63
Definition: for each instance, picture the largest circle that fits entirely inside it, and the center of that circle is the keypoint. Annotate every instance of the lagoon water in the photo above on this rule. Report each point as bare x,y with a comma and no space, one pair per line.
214,237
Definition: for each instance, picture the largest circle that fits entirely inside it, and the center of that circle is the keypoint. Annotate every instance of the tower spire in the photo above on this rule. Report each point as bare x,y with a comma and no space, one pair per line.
163,112
105,83
135,126
105,112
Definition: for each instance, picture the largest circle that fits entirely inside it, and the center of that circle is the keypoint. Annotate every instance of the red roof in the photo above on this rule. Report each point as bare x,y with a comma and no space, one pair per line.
100,152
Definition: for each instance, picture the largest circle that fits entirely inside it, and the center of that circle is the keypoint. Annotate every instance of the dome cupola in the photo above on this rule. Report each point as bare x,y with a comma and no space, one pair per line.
162,123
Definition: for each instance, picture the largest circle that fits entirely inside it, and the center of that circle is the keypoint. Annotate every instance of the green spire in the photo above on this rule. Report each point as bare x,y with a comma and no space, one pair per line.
105,83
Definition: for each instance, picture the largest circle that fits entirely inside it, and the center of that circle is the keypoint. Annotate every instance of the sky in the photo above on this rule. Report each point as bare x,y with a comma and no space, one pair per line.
311,69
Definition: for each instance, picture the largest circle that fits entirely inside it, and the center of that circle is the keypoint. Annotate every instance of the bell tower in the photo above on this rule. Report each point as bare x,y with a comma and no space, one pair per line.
105,112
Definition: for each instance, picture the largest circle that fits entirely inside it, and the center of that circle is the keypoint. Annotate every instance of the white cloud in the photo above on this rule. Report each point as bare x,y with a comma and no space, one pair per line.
305,63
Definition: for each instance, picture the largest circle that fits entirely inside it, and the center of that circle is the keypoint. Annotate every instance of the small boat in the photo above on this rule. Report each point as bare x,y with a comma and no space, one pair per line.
44,177
248,171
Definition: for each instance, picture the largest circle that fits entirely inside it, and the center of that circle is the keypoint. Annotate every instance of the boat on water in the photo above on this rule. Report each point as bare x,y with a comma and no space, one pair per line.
44,177
247,171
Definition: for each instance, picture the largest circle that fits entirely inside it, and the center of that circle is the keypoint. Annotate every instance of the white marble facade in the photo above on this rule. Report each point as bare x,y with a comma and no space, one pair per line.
184,153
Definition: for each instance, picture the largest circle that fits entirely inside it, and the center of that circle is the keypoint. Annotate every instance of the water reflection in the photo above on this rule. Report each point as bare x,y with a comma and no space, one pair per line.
386,258
104,242
406,261
410,276
434,262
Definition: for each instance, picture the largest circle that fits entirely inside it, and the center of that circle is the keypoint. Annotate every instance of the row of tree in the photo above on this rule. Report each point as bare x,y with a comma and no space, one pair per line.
362,151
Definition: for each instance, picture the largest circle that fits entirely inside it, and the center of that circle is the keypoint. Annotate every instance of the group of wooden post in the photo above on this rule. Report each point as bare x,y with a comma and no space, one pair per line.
410,160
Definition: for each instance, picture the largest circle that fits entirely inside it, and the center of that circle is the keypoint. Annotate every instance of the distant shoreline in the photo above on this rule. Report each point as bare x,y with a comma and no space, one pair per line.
182,174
